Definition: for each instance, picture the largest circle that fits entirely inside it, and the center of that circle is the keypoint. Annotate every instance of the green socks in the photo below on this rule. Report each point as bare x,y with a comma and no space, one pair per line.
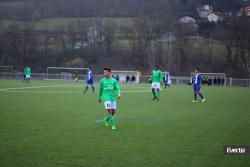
158,94
110,118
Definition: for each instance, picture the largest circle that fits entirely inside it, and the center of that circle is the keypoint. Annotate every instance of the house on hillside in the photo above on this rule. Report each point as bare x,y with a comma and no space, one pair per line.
204,10
187,20
244,11
212,18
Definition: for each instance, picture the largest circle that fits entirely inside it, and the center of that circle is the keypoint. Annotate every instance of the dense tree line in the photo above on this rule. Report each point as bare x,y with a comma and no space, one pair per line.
149,44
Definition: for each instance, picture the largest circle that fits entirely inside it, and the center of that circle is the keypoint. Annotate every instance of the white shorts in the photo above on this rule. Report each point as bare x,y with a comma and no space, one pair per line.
169,82
155,85
27,76
110,105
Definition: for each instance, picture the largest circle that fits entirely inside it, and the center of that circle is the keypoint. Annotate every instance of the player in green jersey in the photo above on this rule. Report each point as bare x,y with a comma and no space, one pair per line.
107,89
156,83
27,72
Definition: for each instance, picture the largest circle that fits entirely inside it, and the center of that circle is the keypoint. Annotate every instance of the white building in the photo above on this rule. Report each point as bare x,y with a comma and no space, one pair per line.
211,17
187,20
244,11
204,10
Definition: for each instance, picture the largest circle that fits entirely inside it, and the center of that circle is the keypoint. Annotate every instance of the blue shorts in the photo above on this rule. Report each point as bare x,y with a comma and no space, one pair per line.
90,82
197,88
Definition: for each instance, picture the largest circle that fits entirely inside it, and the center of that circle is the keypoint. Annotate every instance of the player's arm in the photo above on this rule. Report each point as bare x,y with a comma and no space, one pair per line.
200,79
100,91
117,89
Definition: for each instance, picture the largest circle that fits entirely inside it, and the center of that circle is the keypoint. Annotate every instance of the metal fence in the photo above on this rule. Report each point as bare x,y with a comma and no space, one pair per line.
143,79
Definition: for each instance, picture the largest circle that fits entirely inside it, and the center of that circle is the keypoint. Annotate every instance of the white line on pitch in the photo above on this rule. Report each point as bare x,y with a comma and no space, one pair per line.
32,87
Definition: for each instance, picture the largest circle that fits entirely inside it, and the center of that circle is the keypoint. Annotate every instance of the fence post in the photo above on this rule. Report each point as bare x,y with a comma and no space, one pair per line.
230,81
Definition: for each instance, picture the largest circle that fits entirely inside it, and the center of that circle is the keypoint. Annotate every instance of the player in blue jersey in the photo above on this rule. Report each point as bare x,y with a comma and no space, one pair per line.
197,86
90,81
166,79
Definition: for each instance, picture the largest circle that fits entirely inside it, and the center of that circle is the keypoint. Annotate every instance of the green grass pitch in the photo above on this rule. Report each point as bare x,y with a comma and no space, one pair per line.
52,123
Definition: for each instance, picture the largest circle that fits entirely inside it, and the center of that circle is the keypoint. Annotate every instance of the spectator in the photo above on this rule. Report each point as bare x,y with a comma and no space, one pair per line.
133,78
206,80
215,81
127,78
210,81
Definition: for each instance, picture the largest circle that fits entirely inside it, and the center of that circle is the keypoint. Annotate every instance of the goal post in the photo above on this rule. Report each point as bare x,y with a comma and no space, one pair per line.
211,78
66,73
126,76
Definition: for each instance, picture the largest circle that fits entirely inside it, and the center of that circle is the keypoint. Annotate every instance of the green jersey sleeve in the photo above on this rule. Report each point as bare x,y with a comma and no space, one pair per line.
117,89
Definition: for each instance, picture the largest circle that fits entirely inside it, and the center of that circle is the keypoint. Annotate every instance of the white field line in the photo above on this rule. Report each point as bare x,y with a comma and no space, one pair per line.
24,89
34,87
67,92
53,86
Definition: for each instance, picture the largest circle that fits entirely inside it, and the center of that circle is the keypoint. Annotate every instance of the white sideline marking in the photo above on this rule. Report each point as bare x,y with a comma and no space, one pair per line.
68,92
31,87
56,86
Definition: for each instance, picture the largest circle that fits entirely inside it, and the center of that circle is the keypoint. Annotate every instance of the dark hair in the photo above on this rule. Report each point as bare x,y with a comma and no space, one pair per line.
107,68
196,68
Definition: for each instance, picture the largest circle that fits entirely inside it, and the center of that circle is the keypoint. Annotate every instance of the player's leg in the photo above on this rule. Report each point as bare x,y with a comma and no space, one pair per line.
195,96
113,108
113,112
108,118
86,88
27,80
202,97
153,91
153,85
158,94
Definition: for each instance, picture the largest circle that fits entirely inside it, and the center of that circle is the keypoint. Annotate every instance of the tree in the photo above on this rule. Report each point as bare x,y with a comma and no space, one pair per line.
71,28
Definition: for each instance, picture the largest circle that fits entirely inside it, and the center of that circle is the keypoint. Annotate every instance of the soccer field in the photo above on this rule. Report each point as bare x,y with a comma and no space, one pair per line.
52,123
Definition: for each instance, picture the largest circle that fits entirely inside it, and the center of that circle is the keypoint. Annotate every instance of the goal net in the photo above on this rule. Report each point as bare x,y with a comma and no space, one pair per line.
66,73
126,76
218,79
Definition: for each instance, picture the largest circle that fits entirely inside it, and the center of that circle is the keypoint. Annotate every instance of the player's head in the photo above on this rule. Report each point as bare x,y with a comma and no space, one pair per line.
196,69
107,72
157,66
